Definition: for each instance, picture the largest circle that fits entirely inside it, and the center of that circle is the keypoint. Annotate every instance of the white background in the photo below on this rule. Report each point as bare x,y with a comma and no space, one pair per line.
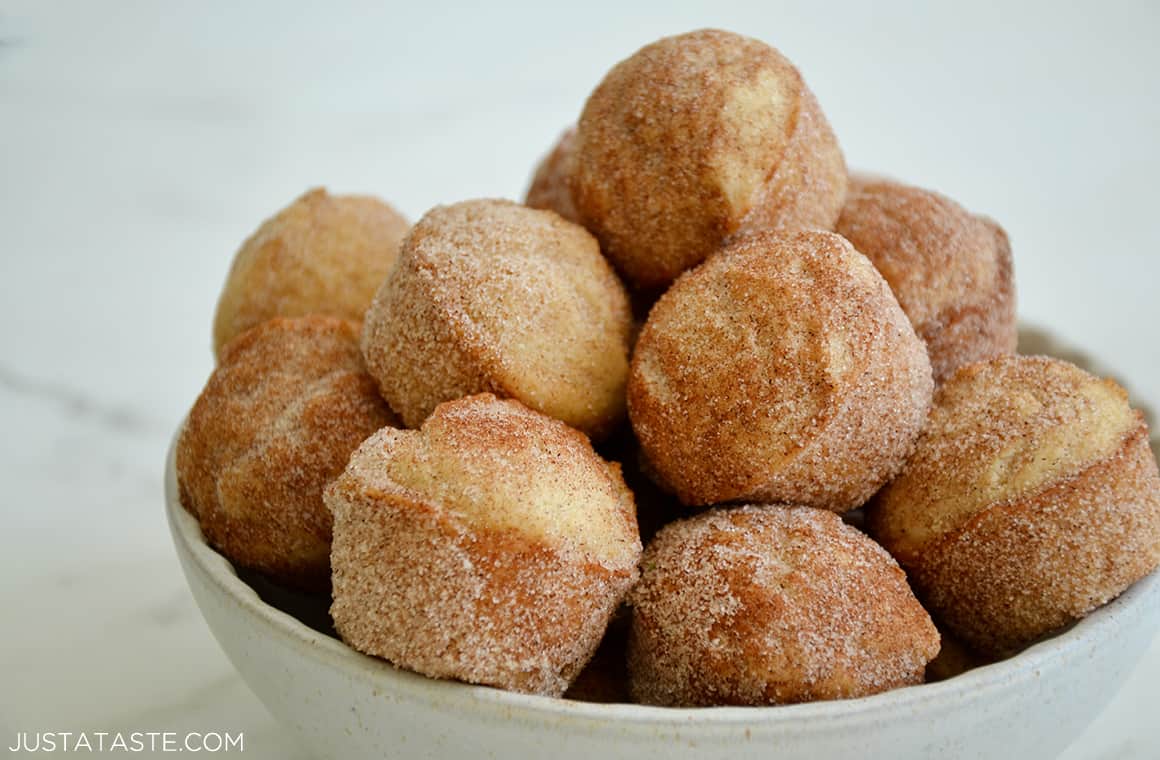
141,142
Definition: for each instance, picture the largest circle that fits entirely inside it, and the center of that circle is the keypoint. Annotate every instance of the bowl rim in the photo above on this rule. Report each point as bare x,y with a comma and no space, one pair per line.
1095,630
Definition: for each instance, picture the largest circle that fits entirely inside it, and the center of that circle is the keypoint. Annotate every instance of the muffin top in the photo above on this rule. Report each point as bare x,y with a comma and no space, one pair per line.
496,466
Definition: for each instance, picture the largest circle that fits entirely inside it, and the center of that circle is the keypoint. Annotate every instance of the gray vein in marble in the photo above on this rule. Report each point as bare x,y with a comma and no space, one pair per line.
9,39
173,610
114,417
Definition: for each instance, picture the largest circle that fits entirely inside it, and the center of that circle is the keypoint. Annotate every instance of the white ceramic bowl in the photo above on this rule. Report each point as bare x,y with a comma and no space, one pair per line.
345,705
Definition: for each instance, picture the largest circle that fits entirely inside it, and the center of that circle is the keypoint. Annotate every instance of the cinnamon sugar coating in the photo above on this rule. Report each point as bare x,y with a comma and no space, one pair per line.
760,605
491,296
550,189
1031,499
491,546
322,254
697,138
605,678
950,269
279,417
780,370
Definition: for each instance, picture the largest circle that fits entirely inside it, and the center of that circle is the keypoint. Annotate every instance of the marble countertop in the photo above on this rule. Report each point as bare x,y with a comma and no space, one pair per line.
141,142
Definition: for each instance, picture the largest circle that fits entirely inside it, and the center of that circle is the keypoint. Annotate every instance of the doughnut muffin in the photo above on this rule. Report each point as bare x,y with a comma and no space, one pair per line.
491,296
1031,499
278,418
950,269
761,605
550,188
694,139
322,254
780,370
491,546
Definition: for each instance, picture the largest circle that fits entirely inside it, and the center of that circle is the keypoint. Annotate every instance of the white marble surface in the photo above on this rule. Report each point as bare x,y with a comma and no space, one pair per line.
140,142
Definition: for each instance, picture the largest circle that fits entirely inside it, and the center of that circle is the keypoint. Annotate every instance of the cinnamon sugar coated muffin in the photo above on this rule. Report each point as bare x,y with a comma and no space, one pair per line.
950,270
322,254
696,138
491,296
491,546
1031,499
780,370
551,184
279,417
761,605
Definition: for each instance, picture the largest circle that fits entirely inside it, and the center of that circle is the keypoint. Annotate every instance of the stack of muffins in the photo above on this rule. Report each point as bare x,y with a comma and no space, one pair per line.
424,421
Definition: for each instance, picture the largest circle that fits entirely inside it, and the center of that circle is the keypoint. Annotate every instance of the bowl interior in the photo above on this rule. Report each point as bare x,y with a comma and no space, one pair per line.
303,622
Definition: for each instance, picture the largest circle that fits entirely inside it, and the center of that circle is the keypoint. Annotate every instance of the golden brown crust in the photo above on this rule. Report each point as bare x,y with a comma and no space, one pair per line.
781,369
771,605
551,184
491,296
695,138
278,418
322,254
460,572
1072,519
950,270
